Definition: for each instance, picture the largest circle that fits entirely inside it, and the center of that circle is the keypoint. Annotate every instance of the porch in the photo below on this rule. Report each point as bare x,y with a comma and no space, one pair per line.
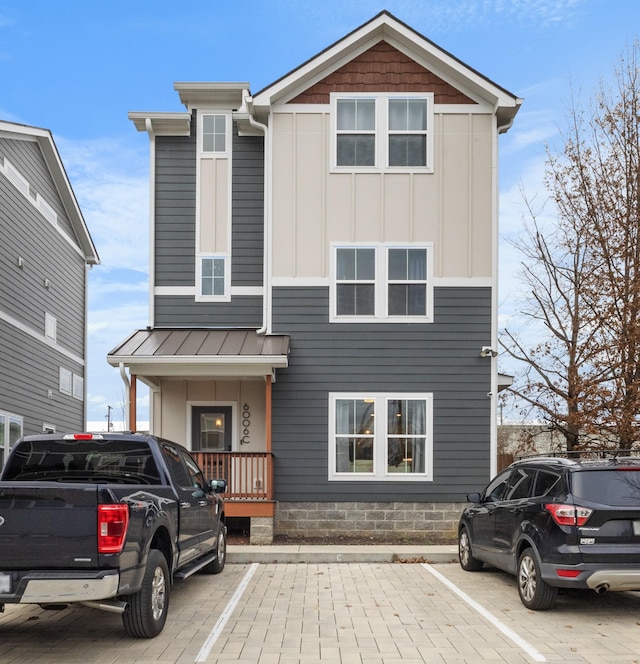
249,478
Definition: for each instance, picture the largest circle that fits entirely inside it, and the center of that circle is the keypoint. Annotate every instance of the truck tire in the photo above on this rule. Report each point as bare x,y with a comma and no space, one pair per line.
148,608
216,566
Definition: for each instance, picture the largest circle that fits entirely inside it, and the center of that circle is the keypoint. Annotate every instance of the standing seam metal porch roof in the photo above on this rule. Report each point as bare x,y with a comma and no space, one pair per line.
182,346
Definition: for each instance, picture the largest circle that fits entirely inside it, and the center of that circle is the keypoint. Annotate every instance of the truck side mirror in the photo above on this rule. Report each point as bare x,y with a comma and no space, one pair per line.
218,486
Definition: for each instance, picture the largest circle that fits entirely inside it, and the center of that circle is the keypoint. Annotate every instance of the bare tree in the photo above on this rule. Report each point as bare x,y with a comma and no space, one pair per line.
583,375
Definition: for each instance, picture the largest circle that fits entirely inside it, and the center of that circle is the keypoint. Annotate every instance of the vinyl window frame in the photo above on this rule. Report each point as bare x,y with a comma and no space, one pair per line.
382,282
380,438
200,295
382,132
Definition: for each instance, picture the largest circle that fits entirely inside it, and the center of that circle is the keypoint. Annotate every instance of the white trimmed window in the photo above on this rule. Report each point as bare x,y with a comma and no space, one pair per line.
386,132
50,327
382,283
212,278
78,387
213,133
11,428
386,437
66,381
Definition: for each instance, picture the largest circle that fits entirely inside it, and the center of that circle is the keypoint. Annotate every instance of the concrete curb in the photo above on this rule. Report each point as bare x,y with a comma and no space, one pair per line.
341,554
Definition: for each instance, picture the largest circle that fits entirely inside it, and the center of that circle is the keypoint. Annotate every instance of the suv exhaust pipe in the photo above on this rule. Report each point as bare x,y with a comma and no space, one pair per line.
602,588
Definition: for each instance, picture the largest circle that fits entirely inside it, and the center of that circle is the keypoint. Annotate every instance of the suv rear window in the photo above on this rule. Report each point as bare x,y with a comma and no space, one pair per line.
620,487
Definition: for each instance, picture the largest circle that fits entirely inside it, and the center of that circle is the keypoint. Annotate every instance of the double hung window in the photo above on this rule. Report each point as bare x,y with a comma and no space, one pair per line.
380,437
383,132
382,283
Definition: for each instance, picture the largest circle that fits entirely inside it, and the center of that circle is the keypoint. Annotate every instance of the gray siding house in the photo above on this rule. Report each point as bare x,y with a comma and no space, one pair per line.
44,254
323,286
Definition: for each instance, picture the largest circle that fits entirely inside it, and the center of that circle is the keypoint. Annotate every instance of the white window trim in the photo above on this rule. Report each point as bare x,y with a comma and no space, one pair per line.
65,378
5,442
380,473
50,327
381,283
77,387
48,428
226,297
382,132
210,154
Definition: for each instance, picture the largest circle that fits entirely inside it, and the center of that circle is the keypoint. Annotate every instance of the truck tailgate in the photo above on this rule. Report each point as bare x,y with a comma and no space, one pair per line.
48,525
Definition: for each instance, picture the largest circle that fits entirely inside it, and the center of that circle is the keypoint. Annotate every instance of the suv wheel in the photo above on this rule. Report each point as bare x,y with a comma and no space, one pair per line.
535,593
467,561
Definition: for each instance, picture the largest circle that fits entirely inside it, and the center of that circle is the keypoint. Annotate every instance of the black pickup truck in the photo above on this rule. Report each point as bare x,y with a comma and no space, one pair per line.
106,520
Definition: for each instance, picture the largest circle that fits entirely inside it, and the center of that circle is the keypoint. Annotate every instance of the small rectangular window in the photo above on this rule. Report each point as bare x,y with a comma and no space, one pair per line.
212,277
407,132
214,133
78,387
66,378
355,282
407,282
356,125
50,327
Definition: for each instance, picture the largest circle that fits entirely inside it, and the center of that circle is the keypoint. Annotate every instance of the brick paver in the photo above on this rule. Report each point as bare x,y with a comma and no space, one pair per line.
355,613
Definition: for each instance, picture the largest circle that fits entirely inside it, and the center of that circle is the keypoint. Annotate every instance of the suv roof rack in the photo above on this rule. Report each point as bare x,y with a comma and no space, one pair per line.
584,454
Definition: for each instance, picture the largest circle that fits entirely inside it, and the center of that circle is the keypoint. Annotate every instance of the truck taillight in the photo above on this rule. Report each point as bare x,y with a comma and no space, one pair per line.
112,527
568,515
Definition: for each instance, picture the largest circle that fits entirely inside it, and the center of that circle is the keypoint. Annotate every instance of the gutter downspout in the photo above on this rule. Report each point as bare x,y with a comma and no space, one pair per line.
247,102
493,431
127,399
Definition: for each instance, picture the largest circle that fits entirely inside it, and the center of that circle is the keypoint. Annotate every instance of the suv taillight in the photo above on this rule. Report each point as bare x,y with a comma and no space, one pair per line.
568,515
113,521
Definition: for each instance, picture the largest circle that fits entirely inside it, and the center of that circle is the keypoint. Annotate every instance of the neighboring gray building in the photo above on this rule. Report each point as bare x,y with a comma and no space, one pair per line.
323,286
44,253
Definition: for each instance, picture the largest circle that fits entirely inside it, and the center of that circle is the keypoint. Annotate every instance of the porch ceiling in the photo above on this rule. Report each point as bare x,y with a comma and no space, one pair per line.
156,353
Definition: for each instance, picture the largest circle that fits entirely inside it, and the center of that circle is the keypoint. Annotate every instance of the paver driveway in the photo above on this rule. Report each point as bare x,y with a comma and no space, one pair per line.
339,613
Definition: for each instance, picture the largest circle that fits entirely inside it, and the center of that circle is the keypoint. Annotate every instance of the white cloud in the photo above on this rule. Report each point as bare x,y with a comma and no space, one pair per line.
110,180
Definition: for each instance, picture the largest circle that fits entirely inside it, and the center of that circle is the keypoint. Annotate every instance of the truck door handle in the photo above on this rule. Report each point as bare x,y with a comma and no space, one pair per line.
185,505
202,503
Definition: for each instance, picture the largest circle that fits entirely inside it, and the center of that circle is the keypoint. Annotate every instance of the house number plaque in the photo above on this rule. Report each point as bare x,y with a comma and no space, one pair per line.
246,423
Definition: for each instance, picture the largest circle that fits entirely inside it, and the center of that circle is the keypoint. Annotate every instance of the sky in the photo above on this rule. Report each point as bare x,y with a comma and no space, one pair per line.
78,67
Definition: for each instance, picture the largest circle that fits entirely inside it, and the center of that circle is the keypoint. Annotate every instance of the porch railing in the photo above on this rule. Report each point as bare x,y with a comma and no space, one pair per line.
249,475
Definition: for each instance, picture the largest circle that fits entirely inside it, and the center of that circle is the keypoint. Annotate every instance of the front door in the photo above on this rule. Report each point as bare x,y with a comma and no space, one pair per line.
211,428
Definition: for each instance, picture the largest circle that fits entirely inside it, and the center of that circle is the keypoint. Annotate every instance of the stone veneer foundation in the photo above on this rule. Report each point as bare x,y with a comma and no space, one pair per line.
375,521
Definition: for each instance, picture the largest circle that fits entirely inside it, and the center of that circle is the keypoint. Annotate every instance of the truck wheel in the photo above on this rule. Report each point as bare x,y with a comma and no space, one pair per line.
216,566
148,608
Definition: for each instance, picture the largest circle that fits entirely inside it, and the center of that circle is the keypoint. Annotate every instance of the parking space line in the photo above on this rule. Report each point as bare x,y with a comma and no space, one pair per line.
225,615
507,631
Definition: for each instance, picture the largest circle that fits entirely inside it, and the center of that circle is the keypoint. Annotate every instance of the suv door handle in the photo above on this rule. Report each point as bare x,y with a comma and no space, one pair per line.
185,505
202,503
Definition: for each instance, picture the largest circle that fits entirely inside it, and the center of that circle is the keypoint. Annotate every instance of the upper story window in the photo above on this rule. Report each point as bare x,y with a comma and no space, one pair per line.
212,278
355,281
214,133
382,283
386,132
407,132
50,327
356,132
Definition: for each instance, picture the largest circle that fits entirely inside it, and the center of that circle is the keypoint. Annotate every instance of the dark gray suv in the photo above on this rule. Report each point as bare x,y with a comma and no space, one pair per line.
557,523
